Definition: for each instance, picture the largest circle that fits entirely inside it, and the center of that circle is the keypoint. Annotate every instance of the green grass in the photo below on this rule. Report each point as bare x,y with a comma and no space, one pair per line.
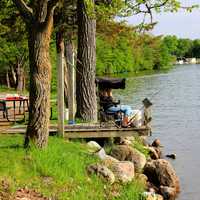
58,171
137,144
4,89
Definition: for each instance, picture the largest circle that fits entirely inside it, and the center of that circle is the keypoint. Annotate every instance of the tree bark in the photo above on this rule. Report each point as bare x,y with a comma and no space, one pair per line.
40,76
60,82
14,78
70,57
7,79
39,23
86,65
20,78
66,84
69,60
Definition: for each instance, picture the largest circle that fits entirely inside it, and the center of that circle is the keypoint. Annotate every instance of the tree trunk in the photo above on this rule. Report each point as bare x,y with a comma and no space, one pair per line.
20,78
40,76
60,82
68,57
7,79
71,77
69,60
86,65
14,78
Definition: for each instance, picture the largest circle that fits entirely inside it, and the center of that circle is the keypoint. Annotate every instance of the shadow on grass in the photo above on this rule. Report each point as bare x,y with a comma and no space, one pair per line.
13,146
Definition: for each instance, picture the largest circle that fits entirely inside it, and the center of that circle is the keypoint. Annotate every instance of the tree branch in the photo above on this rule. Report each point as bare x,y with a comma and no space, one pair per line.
52,4
25,11
159,5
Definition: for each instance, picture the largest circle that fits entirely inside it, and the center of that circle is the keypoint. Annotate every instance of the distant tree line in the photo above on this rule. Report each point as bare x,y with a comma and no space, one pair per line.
182,47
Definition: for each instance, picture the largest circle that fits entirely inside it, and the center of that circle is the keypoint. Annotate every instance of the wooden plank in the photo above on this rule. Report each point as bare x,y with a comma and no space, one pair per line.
91,133
104,134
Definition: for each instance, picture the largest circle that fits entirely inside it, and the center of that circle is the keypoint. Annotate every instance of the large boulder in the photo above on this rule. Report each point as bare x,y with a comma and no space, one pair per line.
168,192
153,152
123,171
158,151
124,140
101,171
127,153
161,174
93,146
156,143
143,178
108,161
101,154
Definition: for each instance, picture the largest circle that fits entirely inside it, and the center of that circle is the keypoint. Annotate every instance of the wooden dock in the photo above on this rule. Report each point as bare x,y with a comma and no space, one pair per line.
87,131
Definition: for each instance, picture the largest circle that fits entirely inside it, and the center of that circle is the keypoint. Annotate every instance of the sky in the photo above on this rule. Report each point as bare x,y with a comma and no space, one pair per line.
182,24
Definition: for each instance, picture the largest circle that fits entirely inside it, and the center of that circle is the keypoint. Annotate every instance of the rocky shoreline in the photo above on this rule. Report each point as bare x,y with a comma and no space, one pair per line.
124,163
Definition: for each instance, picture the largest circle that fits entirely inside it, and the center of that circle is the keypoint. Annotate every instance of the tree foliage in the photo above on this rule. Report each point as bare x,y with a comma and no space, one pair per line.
121,49
13,44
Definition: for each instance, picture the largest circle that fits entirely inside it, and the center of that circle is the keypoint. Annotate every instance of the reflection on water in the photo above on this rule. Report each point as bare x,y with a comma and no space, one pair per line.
176,118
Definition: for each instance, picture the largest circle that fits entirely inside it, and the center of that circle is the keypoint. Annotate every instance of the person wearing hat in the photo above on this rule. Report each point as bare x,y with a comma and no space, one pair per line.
110,105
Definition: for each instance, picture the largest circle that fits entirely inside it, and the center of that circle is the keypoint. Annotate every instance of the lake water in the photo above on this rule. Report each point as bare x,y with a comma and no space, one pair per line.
176,118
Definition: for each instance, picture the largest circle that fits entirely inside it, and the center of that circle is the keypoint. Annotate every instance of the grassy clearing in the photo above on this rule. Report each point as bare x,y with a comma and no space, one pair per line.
4,89
58,171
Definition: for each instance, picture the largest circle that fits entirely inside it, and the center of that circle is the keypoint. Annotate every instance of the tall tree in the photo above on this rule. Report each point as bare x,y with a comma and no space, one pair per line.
86,63
38,17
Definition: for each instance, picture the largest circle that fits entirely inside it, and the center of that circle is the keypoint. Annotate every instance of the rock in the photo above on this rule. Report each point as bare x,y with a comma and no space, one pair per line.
152,190
143,178
101,171
159,197
152,196
124,140
156,143
93,146
168,193
158,151
101,154
152,186
161,173
172,156
152,152
127,153
109,160
123,170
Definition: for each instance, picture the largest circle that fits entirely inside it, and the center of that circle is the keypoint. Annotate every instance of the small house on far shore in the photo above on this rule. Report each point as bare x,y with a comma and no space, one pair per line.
191,60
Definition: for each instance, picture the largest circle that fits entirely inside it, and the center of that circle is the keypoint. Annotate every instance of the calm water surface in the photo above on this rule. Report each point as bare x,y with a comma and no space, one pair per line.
176,119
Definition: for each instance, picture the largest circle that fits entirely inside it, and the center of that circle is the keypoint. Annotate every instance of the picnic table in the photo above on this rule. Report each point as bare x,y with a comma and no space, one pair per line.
23,102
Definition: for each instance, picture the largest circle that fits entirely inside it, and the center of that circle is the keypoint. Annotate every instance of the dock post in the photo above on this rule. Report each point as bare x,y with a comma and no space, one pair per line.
71,100
60,83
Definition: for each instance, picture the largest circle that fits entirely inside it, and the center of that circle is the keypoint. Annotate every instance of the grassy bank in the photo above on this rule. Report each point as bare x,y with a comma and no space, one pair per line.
58,171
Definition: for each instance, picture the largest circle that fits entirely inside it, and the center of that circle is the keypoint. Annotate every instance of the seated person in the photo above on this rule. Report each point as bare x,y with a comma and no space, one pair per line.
109,104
